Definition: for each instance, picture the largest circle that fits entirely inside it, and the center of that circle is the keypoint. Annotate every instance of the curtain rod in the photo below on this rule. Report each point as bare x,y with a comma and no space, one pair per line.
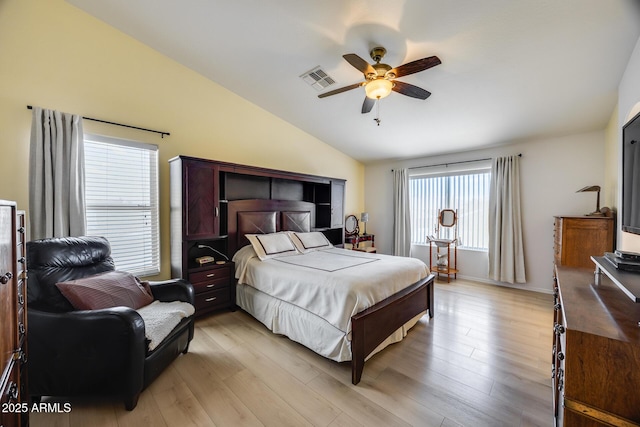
453,163
162,134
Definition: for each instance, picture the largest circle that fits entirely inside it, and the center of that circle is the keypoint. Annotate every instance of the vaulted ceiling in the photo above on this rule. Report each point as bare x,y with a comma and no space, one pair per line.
511,70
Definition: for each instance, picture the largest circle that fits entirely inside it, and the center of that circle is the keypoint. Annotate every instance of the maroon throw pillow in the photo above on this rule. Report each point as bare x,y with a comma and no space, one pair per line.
105,290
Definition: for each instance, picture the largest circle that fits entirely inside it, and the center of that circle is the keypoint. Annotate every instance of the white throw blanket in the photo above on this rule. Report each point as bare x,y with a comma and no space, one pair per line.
161,317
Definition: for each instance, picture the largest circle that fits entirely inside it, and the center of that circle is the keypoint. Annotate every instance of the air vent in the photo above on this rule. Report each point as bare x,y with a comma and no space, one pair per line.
318,79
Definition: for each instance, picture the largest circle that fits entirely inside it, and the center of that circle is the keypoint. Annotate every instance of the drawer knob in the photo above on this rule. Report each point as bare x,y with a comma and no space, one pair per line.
211,299
211,274
6,277
211,285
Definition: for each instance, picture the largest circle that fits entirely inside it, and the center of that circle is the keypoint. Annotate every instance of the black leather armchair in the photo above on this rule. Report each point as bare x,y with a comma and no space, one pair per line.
91,352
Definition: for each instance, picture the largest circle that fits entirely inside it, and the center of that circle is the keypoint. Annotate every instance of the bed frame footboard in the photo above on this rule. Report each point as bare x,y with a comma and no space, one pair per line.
372,326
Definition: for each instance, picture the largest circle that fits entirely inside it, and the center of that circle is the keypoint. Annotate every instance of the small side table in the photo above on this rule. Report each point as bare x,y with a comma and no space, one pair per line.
443,259
356,239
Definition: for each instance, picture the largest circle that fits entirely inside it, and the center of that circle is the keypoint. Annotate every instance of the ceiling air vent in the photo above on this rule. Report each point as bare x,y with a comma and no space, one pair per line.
318,79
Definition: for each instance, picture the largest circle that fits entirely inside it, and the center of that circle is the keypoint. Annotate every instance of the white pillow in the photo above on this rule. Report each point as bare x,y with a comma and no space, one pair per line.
312,241
272,245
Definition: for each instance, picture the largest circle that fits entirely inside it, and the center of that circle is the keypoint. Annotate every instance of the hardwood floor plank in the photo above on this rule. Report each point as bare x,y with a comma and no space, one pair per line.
179,407
409,410
267,406
353,403
454,401
313,407
146,414
219,402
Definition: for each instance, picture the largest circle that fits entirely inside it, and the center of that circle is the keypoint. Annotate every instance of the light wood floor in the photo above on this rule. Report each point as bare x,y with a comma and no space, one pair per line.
483,360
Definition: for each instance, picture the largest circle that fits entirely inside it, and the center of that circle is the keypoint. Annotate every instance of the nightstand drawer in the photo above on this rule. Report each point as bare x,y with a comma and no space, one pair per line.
211,285
210,275
208,301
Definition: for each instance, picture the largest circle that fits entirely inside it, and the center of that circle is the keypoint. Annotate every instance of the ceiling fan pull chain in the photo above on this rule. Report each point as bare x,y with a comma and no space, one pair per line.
377,119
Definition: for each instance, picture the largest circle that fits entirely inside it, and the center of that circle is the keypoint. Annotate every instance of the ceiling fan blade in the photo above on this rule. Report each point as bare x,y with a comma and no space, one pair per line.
410,90
340,90
359,63
367,105
416,66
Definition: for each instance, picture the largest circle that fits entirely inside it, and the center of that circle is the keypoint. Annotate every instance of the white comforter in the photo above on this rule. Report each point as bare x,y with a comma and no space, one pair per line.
334,284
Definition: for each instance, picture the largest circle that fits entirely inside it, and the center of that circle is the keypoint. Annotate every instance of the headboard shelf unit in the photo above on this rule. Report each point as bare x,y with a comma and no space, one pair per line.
202,190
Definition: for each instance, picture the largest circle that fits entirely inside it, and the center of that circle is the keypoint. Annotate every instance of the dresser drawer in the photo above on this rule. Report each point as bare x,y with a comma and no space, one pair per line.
213,300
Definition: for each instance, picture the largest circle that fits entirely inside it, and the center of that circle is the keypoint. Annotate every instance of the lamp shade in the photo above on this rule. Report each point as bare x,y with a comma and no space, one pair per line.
364,217
378,88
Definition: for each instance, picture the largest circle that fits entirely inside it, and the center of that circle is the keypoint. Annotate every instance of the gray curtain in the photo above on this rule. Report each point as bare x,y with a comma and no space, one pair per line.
56,175
506,253
401,214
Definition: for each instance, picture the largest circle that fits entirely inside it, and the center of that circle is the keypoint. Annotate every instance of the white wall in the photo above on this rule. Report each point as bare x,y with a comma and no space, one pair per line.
552,170
628,107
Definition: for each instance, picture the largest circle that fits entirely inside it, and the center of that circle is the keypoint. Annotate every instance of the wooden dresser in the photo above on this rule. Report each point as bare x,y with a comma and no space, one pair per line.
577,238
14,410
596,352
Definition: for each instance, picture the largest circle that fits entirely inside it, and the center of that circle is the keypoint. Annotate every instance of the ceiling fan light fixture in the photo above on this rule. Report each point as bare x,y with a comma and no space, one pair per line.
378,88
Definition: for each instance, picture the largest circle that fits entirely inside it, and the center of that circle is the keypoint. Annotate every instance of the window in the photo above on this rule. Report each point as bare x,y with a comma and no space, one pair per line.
122,201
466,191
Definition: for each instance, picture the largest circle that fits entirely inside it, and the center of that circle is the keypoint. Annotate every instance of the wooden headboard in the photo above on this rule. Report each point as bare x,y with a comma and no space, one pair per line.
258,216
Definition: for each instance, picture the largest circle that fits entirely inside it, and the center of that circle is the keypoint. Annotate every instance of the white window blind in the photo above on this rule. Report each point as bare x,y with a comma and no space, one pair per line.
464,191
122,201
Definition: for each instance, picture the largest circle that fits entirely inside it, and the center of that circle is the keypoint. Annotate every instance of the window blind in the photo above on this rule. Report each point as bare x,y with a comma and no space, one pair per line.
122,201
464,191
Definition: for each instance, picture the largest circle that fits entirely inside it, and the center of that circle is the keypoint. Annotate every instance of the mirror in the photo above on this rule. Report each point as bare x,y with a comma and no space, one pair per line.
447,217
351,225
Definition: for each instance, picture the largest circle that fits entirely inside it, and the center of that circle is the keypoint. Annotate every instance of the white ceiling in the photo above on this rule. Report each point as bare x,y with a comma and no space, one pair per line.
511,70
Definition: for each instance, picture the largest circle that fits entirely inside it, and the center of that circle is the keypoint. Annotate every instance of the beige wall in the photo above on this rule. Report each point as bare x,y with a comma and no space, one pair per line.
56,56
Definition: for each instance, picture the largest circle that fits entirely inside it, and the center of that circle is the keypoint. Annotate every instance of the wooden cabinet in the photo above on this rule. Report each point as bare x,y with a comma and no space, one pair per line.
13,393
577,238
200,189
195,211
214,287
596,352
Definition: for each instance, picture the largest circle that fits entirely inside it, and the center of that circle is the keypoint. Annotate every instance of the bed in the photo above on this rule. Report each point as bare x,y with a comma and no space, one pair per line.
356,304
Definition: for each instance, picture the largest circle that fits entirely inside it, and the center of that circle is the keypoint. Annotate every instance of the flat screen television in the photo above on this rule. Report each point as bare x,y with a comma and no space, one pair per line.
631,176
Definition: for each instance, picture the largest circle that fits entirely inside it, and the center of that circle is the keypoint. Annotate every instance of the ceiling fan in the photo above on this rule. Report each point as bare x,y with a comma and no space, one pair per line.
380,78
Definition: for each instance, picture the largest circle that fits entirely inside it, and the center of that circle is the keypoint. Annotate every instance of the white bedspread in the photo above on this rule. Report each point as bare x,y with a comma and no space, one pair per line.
161,317
315,285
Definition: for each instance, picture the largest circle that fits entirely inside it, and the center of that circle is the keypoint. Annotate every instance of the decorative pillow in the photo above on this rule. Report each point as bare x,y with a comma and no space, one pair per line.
312,241
272,245
105,290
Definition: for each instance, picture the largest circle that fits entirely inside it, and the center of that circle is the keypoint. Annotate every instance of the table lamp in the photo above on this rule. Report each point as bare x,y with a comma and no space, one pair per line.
594,188
364,218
